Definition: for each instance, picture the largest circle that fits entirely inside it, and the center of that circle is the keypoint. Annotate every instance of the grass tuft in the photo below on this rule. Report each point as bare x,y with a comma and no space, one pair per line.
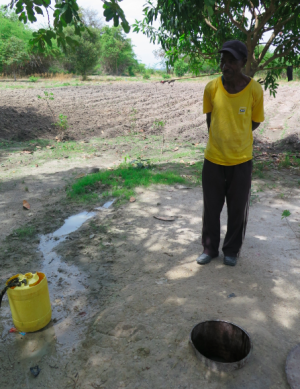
25,232
121,182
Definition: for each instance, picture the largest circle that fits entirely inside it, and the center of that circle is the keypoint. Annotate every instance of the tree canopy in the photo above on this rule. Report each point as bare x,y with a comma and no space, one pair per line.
192,28
198,28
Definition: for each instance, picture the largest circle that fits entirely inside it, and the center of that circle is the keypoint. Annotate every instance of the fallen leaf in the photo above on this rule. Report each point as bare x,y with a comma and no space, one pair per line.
80,176
49,147
36,165
176,148
182,161
132,199
192,163
165,219
27,152
26,205
38,147
81,313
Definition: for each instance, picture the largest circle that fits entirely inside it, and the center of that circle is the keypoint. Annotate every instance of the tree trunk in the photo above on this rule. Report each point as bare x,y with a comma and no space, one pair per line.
15,76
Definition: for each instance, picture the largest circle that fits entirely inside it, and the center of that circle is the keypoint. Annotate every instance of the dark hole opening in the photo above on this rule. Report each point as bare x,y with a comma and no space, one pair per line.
220,341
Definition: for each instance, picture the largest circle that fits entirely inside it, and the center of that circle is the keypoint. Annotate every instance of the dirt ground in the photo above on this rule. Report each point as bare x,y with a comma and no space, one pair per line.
125,287
114,109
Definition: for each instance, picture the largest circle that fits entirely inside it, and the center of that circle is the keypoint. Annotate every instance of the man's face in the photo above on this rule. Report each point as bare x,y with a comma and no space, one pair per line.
230,66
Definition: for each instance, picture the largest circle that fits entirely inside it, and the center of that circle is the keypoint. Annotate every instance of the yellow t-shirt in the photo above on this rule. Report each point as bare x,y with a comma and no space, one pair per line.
230,134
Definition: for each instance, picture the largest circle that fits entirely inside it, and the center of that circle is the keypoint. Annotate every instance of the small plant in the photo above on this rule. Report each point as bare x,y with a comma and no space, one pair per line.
26,189
33,79
166,76
133,120
62,122
140,163
66,84
286,213
159,124
146,76
47,97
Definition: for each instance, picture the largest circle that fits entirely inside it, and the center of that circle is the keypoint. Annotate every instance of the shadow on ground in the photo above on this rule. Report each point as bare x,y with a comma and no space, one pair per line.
22,124
149,292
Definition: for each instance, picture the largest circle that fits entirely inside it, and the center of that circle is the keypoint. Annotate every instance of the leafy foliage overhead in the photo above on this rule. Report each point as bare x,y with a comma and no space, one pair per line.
198,28
65,12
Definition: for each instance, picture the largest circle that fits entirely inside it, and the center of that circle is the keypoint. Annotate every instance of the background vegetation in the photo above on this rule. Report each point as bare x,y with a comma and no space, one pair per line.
97,51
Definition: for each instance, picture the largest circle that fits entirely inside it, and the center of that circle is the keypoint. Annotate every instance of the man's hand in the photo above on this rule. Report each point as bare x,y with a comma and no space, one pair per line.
255,125
208,120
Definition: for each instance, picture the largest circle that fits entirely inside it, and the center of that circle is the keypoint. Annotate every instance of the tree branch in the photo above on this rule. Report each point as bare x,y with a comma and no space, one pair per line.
265,49
262,66
210,25
237,24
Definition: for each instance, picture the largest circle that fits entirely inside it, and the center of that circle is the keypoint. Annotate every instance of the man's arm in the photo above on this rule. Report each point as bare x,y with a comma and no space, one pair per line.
208,120
254,125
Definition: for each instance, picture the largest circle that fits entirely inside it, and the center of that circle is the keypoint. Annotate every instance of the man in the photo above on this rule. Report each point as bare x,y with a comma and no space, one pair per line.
233,105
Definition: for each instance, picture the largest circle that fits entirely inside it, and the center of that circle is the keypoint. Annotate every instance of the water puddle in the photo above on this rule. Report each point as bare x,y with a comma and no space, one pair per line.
106,205
59,273
70,300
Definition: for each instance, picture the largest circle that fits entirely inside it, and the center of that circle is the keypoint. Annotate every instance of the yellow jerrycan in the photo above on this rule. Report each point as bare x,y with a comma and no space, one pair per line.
30,302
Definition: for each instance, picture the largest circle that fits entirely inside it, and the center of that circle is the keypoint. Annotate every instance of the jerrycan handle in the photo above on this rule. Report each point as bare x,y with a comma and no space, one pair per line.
14,282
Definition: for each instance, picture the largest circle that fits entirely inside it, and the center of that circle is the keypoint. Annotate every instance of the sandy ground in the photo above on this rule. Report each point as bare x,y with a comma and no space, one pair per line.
126,290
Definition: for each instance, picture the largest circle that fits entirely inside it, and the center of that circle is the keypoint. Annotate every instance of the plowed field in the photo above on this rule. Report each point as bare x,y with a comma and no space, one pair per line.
109,110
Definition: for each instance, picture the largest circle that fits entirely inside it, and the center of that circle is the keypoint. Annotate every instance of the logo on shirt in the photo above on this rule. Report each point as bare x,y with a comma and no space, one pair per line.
242,110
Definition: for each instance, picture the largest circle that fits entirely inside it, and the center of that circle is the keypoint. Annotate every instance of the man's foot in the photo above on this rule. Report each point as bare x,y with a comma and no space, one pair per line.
204,259
229,261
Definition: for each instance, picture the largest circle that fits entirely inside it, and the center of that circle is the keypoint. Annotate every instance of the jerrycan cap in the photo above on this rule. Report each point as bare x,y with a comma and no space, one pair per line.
29,279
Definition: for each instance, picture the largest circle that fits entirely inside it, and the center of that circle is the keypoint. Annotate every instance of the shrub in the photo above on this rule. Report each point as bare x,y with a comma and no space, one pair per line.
180,68
33,79
131,71
146,76
165,76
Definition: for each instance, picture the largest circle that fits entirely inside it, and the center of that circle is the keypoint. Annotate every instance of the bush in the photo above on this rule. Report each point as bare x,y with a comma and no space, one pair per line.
146,76
131,71
165,76
141,68
33,79
180,68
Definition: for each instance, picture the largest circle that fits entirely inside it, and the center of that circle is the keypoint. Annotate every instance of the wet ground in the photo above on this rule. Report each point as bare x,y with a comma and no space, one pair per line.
126,289
125,298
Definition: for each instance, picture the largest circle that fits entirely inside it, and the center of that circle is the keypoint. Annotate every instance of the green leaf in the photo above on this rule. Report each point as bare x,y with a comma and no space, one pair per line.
71,42
68,15
39,10
285,213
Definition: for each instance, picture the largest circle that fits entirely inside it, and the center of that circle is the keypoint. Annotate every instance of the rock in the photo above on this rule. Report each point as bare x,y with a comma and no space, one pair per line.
93,170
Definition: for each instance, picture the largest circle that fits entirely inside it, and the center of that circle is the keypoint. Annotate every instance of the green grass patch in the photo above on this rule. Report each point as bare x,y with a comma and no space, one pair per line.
121,182
24,232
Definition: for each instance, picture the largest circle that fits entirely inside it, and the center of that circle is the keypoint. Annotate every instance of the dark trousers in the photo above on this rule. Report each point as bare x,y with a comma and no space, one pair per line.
232,183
